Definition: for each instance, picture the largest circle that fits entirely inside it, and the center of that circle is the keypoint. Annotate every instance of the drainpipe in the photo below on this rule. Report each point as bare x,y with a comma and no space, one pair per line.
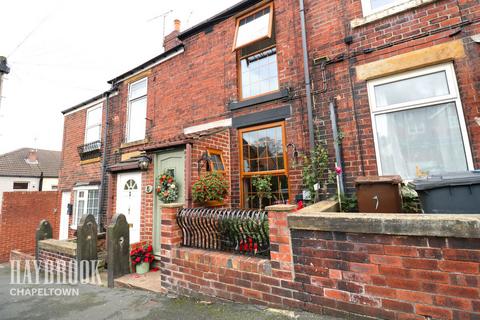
336,144
40,183
103,186
308,88
188,176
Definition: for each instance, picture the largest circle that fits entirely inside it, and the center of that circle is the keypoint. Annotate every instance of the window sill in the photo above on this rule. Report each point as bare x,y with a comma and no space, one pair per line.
133,143
281,94
73,227
388,12
90,161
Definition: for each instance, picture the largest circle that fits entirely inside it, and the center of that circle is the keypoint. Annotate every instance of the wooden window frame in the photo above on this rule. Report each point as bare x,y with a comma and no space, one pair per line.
259,173
216,152
239,73
237,25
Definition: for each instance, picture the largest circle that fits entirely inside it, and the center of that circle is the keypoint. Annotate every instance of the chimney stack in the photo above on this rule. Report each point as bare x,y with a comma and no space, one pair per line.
171,40
32,157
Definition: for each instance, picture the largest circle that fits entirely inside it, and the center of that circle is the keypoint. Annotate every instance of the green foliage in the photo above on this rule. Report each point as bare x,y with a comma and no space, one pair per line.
211,187
348,203
263,188
316,170
410,201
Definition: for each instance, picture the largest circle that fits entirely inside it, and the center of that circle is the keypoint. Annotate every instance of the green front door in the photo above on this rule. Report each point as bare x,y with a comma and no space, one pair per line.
173,162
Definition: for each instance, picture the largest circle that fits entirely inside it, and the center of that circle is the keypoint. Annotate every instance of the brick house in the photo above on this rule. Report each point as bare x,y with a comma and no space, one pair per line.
232,89
404,79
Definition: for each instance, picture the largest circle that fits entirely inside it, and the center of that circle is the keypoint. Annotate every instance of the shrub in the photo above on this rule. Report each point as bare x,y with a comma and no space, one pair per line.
211,187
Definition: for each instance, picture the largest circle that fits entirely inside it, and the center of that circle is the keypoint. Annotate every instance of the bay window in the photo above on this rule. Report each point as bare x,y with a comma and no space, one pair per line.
263,153
86,201
418,123
137,111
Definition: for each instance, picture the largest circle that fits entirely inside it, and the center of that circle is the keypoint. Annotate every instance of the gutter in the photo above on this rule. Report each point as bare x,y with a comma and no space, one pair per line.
308,87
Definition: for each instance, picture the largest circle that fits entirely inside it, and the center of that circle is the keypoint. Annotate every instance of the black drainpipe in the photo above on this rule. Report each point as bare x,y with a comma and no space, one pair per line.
102,208
40,183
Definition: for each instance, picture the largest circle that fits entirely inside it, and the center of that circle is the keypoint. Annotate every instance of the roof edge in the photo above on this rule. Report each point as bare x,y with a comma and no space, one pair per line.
219,17
84,103
146,64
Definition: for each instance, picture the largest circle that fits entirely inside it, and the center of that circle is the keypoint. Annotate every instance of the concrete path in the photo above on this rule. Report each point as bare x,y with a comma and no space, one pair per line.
95,302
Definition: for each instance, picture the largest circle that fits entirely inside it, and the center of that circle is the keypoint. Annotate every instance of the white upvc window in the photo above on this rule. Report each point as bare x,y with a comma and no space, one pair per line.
259,73
418,123
372,6
136,110
93,126
86,201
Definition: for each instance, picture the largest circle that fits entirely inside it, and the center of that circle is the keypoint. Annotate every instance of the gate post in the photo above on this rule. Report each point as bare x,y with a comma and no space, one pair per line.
44,231
118,248
86,243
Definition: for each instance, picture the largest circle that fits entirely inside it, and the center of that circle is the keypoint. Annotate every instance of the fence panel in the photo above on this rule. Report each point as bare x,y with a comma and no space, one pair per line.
239,231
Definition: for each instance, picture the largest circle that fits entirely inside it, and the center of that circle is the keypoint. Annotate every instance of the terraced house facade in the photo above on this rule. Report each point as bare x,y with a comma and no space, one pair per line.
401,79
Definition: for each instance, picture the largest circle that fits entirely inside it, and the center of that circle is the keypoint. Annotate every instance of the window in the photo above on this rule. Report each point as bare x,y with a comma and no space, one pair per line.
257,54
418,123
262,153
20,186
255,26
137,111
93,127
215,162
372,6
259,73
86,201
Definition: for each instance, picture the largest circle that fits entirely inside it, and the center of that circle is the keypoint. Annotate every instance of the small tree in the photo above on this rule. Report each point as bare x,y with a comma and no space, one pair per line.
263,187
316,170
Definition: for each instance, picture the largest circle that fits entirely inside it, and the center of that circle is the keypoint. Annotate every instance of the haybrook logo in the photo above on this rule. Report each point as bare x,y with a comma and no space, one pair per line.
52,272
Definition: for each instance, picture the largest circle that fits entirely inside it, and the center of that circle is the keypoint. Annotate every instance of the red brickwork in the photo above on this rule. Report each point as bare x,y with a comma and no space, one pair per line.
335,273
329,22
20,216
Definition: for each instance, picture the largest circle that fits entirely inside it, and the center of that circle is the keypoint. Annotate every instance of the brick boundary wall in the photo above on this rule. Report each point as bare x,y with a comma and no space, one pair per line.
361,275
20,215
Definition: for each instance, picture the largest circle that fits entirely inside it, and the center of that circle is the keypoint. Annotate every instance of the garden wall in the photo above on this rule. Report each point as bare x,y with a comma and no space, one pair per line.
19,218
383,266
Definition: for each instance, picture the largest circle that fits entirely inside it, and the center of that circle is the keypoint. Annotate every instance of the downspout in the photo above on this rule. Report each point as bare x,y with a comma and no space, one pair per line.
101,209
336,145
188,176
308,88
40,183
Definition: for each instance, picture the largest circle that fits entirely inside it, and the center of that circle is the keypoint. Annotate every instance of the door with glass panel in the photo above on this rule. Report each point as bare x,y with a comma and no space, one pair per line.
263,153
129,192
418,123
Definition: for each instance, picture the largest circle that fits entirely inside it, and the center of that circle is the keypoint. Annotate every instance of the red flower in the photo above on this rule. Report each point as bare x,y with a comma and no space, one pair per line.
138,259
145,260
150,248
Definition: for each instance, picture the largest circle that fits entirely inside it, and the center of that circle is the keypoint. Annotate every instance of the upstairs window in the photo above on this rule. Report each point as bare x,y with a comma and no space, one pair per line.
255,41
93,126
255,26
137,111
372,6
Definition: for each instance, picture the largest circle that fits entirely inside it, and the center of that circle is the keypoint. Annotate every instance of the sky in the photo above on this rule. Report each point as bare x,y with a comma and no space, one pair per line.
62,53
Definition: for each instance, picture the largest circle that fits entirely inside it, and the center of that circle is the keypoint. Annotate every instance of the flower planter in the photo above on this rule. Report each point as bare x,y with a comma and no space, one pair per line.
214,203
142,268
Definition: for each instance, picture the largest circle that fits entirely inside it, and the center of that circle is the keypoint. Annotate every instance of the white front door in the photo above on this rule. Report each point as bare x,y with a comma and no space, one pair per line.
64,216
129,186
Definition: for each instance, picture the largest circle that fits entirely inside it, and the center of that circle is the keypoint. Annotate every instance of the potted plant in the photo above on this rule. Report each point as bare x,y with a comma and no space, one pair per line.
141,259
210,190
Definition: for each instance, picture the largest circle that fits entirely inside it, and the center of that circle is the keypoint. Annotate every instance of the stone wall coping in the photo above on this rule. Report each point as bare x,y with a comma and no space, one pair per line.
434,225
281,207
171,205
60,246
322,206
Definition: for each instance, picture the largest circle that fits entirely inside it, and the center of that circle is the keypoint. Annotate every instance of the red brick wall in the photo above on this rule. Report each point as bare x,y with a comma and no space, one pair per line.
391,277
334,273
328,23
19,218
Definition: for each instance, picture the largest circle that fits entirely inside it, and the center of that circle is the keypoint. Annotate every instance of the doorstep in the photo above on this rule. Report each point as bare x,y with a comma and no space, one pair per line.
149,281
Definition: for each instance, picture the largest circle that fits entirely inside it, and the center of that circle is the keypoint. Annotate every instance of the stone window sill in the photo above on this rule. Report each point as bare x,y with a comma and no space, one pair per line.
388,12
133,143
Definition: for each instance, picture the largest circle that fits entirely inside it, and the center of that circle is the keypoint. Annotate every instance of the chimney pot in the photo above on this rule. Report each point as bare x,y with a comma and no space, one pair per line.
177,24
32,156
